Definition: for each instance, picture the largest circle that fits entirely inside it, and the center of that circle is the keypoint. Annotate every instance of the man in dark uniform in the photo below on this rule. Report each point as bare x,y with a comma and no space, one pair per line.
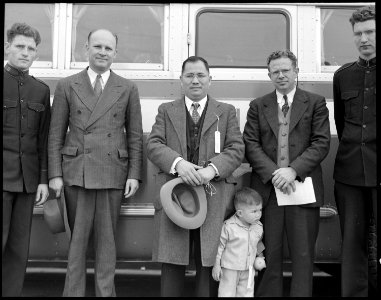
26,117
354,92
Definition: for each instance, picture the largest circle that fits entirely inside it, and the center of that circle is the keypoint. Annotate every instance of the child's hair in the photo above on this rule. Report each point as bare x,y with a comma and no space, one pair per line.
246,196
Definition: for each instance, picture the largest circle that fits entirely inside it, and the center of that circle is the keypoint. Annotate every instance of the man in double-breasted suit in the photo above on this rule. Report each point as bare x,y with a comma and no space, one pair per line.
183,142
287,136
98,160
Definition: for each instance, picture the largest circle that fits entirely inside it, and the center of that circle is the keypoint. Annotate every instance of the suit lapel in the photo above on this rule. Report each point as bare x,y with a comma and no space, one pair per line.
211,114
177,115
82,87
270,110
109,96
298,107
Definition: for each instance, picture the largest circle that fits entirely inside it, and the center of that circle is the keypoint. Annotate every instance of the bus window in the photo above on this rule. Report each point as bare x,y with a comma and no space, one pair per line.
39,16
337,46
240,39
139,27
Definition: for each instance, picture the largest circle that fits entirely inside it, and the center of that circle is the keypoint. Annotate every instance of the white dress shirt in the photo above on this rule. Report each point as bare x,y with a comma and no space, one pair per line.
290,98
93,77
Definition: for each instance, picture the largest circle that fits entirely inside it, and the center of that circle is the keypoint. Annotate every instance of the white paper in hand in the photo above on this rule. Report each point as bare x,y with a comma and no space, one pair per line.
304,194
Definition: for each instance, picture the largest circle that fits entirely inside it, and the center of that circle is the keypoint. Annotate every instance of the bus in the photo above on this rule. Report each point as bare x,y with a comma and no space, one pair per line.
154,40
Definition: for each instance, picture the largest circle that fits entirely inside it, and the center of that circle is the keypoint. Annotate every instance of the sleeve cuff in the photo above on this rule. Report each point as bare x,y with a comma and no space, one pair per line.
173,170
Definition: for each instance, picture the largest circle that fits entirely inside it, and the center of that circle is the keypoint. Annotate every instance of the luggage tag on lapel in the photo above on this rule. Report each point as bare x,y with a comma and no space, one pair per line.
217,138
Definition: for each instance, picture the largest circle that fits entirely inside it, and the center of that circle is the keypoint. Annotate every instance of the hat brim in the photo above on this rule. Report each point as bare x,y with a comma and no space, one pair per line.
54,215
172,211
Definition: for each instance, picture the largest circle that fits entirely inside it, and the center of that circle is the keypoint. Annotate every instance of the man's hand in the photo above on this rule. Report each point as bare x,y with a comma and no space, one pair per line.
283,177
216,272
188,172
207,174
41,194
56,185
289,188
132,186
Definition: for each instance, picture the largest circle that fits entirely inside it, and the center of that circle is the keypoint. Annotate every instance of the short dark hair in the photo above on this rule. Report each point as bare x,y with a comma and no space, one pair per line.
246,196
282,53
114,34
363,14
25,30
193,59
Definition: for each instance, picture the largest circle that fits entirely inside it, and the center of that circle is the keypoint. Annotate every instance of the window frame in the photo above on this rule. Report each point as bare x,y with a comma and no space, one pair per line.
290,11
119,66
251,11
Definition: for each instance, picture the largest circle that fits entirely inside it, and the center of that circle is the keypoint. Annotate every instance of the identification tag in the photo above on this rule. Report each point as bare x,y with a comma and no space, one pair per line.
217,141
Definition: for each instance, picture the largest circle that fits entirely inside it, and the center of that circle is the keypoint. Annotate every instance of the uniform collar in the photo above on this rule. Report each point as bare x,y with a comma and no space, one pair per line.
366,63
15,72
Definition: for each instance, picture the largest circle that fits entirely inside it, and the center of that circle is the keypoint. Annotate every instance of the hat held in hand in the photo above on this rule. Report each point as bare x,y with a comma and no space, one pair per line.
54,214
184,204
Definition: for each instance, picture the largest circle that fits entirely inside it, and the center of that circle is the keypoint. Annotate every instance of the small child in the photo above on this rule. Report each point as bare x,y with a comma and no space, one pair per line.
240,247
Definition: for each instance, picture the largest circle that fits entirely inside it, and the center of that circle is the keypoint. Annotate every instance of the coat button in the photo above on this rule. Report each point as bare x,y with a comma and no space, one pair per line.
364,126
87,151
109,134
362,144
21,83
115,115
109,153
365,107
78,111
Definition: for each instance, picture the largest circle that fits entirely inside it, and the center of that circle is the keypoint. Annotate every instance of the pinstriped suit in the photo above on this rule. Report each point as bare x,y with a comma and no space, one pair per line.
95,159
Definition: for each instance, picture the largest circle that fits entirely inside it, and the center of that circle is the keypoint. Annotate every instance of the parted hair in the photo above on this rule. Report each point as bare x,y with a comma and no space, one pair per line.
25,30
282,53
363,14
246,196
114,34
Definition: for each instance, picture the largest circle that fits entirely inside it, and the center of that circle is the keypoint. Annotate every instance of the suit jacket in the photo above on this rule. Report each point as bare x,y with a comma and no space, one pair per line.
309,140
104,145
26,117
168,141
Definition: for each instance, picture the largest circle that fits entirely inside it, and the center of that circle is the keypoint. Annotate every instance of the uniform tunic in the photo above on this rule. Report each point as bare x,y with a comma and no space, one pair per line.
354,91
26,117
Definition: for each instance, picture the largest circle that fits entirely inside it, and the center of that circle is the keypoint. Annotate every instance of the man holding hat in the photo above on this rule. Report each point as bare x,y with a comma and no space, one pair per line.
198,139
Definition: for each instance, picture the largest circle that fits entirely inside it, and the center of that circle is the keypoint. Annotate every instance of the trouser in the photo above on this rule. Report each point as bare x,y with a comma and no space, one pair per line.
17,221
301,226
97,212
233,283
173,276
356,205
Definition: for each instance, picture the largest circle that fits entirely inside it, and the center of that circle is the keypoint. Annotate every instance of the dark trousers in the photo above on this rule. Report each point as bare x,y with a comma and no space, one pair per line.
356,205
173,276
17,221
301,226
97,212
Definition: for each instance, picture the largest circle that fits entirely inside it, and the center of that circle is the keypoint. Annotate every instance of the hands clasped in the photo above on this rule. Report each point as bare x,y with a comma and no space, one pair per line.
283,179
193,174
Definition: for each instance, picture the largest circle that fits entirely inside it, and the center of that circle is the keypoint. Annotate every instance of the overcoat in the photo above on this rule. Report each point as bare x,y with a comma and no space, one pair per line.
166,142
105,140
309,140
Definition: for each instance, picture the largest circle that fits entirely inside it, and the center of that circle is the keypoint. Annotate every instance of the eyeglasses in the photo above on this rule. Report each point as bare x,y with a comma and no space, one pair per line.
190,76
284,72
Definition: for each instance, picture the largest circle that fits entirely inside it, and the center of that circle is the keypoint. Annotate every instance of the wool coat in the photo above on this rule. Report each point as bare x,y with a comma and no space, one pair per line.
166,142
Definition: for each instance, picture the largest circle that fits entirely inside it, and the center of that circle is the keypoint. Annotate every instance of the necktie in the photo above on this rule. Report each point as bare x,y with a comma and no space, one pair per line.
98,86
285,106
195,114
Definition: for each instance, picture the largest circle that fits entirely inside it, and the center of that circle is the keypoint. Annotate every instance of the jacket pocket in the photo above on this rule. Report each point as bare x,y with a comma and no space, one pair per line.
34,113
123,154
69,150
9,112
352,104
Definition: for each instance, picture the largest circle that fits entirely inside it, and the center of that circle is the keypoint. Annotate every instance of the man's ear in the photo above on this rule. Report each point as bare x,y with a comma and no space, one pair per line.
239,213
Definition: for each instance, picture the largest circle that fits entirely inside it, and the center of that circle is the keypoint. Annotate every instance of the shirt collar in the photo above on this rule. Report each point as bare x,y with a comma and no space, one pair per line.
93,76
366,63
290,96
239,222
202,102
15,72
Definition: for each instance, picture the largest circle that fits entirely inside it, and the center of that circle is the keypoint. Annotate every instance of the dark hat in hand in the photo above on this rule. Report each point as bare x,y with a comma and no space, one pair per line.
184,204
54,213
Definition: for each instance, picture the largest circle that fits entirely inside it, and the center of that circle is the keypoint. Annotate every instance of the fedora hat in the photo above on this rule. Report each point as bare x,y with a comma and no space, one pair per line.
54,213
184,204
